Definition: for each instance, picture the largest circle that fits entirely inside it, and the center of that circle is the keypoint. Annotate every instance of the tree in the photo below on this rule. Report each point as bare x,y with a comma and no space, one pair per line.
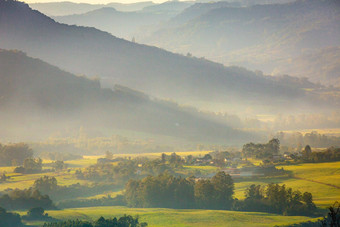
46,184
274,146
14,154
261,150
58,165
108,155
307,198
254,192
32,165
36,213
8,219
25,199
204,192
333,216
132,194
223,190
163,158
207,157
307,152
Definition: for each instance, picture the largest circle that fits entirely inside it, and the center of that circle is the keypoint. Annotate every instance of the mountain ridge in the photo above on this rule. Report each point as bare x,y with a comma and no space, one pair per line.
47,99
88,51
263,37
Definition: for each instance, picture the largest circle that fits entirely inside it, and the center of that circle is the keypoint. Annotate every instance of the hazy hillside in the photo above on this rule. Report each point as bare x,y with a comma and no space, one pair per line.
260,37
46,99
199,9
202,7
170,7
121,24
157,72
322,66
68,8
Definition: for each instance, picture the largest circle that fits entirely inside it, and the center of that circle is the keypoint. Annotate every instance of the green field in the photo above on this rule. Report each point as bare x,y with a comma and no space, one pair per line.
22,181
170,217
321,179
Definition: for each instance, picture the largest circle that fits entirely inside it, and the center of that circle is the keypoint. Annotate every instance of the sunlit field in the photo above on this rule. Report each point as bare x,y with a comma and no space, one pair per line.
170,217
321,179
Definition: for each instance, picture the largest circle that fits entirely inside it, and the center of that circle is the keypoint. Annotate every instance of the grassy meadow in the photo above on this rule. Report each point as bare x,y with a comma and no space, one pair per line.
158,217
321,179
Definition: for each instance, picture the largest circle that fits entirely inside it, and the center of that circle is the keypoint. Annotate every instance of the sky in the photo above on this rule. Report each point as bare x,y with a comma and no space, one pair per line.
94,1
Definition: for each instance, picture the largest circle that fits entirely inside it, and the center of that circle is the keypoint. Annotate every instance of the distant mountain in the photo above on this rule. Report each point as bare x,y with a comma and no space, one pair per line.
130,7
321,66
255,2
202,7
157,72
121,24
199,9
170,7
68,8
37,99
260,37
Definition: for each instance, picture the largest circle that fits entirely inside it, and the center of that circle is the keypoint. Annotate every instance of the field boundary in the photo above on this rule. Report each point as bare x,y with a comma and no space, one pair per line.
318,182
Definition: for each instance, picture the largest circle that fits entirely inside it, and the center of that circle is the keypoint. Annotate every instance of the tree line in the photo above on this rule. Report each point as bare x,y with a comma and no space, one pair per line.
314,139
274,198
261,151
169,191
331,154
25,199
125,221
14,154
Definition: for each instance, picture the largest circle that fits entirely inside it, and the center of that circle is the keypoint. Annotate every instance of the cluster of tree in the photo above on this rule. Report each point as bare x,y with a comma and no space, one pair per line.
173,160
332,219
261,151
8,219
49,185
58,165
176,192
30,165
14,154
25,199
3,177
277,199
127,168
37,213
314,139
125,221
331,154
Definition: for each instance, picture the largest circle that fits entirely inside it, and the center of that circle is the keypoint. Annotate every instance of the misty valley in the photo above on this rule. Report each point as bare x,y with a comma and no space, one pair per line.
176,113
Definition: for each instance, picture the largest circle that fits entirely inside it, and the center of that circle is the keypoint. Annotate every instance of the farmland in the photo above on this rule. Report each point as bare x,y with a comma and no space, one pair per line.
171,217
321,179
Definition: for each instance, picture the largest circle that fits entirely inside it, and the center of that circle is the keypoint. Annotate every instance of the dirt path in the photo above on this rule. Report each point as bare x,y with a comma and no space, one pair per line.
330,185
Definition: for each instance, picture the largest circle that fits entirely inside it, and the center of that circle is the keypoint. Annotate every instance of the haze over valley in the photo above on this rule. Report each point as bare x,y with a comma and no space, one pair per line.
176,113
